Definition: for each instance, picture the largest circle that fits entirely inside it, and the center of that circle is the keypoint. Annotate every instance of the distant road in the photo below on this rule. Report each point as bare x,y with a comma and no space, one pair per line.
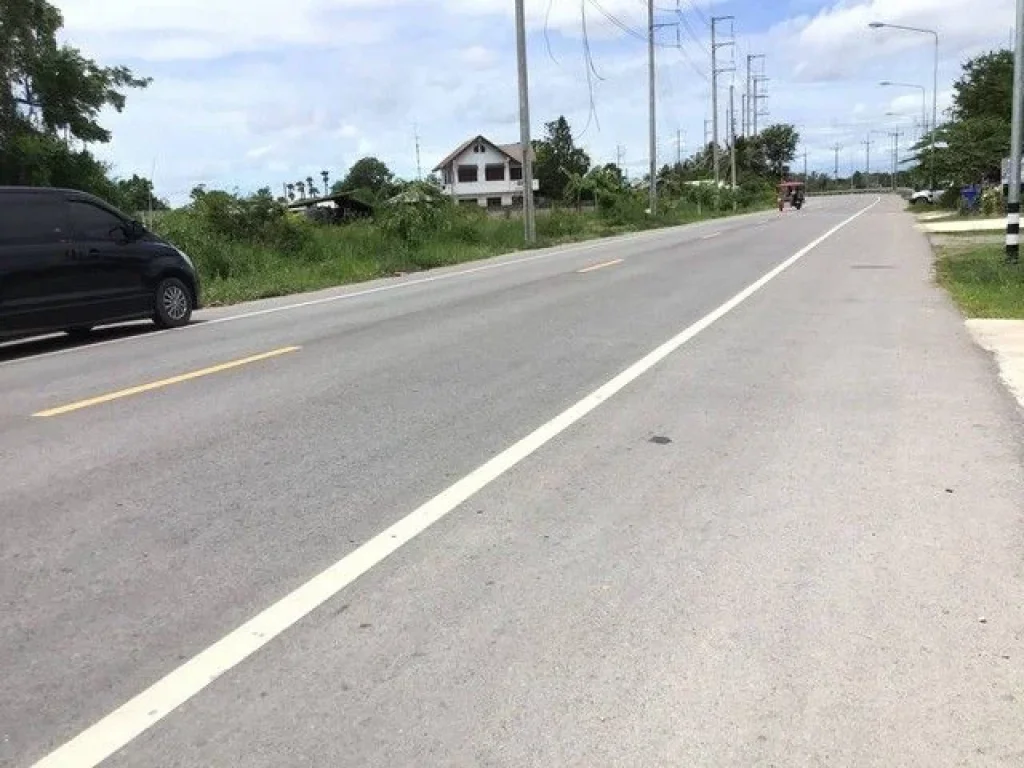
735,494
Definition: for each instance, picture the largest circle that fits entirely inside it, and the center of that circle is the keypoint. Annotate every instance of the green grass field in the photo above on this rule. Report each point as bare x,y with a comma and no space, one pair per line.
240,261
980,281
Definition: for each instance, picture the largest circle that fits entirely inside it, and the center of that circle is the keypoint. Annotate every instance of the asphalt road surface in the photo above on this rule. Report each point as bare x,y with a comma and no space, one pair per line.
735,494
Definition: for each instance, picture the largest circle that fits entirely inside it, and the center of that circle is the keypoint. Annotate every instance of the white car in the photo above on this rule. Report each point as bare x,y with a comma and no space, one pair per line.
928,196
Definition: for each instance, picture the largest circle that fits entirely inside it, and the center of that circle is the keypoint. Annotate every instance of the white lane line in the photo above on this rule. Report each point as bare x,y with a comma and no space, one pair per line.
595,267
713,234
546,254
117,729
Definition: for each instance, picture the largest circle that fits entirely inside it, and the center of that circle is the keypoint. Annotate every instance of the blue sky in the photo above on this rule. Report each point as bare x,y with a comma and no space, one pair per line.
262,92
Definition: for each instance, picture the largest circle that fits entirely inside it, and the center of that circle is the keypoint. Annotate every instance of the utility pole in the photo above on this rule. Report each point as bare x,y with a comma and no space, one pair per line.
750,101
652,127
895,156
805,166
836,147
679,147
758,98
732,140
529,224
1013,177
867,164
419,166
715,71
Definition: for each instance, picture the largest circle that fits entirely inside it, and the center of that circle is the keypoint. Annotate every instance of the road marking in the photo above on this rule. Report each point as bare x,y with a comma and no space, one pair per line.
160,384
545,254
99,741
713,234
596,267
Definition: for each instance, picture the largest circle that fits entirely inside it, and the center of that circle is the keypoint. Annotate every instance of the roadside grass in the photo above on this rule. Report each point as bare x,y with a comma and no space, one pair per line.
980,281
275,257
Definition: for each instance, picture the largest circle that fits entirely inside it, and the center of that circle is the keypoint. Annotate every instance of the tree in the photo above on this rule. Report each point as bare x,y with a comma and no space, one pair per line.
558,159
985,89
971,146
291,191
370,176
301,186
135,194
968,151
51,96
778,145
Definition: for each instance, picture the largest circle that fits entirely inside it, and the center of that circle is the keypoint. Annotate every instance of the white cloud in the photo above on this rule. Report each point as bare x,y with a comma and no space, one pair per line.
263,92
478,57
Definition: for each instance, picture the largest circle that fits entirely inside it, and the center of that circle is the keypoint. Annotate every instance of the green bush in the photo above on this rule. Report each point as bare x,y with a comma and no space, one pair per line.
251,248
992,203
560,224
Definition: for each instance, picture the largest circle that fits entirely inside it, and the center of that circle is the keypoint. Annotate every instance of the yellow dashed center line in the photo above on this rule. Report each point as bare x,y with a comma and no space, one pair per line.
121,393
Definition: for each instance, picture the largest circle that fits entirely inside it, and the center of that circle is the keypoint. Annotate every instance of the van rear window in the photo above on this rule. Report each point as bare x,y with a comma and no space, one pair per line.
26,221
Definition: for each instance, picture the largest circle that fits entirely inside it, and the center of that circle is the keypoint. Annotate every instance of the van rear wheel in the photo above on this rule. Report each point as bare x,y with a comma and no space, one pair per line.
172,303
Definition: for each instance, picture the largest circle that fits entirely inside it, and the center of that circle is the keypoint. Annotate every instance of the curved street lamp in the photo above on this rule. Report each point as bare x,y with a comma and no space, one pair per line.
921,88
935,80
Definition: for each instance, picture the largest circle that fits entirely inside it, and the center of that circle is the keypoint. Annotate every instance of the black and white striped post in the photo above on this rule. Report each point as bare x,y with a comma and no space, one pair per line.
1013,176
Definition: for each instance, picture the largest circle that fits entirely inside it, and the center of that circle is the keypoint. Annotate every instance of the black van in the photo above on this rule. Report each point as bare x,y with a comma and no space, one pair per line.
70,262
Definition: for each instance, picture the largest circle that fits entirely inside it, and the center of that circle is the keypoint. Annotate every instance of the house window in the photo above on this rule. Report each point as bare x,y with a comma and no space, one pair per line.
468,174
515,172
494,172
446,175
494,202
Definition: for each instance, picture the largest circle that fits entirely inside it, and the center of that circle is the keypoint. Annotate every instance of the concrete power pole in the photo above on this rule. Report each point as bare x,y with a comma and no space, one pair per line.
652,127
715,71
836,148
529,223
867,162
714,99
419,165
1013,177
732,141
895,156
758,98
750,102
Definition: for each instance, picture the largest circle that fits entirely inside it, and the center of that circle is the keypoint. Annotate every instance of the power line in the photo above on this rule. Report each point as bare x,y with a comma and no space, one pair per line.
700,14
686,57
625,27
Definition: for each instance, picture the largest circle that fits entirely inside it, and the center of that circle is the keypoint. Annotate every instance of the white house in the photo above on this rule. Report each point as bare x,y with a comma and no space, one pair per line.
483,173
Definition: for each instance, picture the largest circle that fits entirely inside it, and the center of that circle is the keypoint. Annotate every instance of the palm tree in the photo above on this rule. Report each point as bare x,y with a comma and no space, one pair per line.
310,187
325,176
301,186
291,191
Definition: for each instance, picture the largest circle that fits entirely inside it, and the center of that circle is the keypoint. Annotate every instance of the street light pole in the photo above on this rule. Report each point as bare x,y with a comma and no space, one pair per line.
924,96
935,86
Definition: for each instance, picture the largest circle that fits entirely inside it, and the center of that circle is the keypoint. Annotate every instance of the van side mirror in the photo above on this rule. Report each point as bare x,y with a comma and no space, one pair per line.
132,231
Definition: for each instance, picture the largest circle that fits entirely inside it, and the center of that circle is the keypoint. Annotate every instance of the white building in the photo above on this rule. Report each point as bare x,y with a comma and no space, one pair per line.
483,173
